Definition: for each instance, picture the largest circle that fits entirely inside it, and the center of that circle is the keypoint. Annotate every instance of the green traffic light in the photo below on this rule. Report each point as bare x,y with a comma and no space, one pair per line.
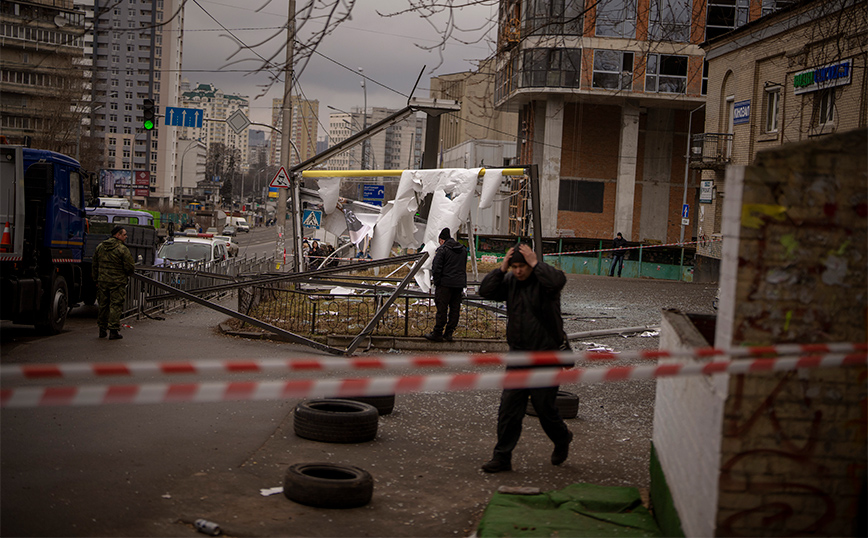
149,124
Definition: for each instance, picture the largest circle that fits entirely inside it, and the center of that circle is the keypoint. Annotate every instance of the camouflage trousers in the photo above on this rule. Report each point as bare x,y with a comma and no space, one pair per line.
111,299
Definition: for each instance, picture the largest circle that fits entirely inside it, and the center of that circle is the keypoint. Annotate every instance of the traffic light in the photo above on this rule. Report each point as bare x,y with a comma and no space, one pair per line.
150,114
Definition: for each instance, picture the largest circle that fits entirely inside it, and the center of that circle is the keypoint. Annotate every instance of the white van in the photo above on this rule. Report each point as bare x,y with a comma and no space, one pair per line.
239,223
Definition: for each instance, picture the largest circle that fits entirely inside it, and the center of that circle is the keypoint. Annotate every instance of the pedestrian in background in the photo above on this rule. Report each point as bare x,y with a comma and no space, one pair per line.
316,255
449,273
532,291
618,255
112,266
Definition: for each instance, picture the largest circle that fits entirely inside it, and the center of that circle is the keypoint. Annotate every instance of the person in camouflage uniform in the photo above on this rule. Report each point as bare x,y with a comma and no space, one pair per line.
112,266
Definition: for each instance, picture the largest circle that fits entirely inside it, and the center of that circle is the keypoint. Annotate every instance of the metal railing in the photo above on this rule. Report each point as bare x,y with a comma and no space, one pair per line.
317,313
710,150
144,299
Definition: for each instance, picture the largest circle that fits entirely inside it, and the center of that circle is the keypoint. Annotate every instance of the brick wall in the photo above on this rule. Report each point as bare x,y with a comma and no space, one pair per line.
794,454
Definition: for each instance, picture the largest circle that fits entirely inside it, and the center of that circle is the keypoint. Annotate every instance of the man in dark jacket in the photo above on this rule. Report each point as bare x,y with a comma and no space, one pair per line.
618,255
112,265
532,291
449,271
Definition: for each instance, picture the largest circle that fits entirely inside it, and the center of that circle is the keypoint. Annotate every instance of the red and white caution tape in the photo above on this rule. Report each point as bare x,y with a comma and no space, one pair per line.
12,372
377,386
644,247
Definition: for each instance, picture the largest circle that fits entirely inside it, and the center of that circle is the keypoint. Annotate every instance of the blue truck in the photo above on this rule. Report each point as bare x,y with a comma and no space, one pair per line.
44,254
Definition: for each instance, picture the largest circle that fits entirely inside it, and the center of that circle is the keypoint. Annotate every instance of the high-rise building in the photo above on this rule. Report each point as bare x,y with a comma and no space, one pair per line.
217,106
43,83
136,55
303,133
604,90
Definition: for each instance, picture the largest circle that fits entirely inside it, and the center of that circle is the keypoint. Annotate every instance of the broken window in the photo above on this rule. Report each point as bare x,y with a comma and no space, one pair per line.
616,18
613,69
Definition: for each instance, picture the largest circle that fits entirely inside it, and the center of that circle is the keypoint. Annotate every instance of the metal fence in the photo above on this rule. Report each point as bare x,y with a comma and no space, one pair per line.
311,312
144,299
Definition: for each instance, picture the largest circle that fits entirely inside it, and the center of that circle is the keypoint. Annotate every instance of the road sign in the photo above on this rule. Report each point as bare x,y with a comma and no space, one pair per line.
238,121
184,117
374,192
312,218
281,179
685,211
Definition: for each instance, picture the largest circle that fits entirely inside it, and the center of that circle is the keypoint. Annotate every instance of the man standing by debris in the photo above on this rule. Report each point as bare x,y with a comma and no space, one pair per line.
112,265
618,254
532,291
449,272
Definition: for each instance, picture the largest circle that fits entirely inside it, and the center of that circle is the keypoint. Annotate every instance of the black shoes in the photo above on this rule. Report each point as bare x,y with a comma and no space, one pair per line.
115,335
448,338
496,466
434,337
102,332
560,453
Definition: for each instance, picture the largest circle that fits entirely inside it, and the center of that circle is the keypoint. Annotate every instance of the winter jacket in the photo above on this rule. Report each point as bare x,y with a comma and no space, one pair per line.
619,243
449,268
112,262
533,307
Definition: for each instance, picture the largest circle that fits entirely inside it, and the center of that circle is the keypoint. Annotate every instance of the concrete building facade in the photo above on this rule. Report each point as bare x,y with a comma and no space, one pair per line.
44,92
218,106
604,90
795,75
137,54
303,133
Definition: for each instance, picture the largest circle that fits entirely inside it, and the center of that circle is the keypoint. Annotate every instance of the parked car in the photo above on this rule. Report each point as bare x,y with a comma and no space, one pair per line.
229,230
212,230
231,247
190,251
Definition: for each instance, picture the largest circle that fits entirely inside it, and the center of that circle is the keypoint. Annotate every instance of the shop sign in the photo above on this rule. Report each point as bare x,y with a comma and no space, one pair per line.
819,78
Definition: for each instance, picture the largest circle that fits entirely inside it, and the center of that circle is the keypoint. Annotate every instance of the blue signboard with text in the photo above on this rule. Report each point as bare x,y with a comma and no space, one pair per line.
741,112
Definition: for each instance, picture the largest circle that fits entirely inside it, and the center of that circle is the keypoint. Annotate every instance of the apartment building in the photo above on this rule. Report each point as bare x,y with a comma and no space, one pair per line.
303,134
43,85
136,55
604,91
795,75
217,106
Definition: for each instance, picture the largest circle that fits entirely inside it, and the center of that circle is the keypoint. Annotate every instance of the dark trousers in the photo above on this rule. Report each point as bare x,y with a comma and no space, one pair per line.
111,299
619,261
448,303
513,406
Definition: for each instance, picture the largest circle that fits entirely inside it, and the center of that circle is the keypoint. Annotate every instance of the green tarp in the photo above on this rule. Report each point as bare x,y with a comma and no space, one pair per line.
576,510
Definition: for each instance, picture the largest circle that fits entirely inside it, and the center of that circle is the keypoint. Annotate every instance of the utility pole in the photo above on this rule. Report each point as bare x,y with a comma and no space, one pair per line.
285,149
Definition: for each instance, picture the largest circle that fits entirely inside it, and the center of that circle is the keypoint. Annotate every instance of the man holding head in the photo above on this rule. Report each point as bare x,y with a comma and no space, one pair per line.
532,291
112,265
449,273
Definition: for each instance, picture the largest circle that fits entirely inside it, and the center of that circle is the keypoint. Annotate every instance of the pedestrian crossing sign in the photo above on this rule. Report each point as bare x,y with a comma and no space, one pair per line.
312,219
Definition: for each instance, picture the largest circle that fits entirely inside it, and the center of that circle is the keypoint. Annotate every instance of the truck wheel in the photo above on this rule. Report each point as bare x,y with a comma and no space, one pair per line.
55,306
328,485
336,421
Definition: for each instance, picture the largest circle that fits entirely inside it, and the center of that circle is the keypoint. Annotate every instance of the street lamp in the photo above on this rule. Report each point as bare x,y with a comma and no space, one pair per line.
198,144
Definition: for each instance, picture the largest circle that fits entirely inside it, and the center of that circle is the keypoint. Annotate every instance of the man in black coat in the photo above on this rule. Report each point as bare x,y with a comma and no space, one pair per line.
532,291
618,255
449,272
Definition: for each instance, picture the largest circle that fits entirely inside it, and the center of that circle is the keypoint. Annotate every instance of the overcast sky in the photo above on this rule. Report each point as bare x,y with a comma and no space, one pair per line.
385,48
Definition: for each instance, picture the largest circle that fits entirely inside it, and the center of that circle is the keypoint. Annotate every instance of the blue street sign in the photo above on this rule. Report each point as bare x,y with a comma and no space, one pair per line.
685,211
374,192
741,112
311,219
184,117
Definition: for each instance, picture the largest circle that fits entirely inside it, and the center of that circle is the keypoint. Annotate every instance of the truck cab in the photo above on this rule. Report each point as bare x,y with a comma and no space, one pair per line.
43,220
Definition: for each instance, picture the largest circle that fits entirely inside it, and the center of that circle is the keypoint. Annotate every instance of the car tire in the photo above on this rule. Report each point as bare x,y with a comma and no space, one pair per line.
328,485
384,404
336,421
55,307
567,404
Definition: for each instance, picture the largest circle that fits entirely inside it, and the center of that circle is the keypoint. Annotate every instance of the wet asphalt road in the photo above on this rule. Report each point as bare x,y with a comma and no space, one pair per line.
151,470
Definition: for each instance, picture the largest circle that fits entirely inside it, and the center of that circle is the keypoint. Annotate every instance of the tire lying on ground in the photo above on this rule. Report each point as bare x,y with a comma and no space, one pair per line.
567,404
336,421
328,485
384,404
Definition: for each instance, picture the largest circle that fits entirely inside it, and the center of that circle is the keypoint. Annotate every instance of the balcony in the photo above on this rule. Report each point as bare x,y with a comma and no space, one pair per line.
710,151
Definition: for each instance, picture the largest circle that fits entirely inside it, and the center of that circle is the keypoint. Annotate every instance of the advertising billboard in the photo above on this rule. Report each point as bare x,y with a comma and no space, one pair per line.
124,183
